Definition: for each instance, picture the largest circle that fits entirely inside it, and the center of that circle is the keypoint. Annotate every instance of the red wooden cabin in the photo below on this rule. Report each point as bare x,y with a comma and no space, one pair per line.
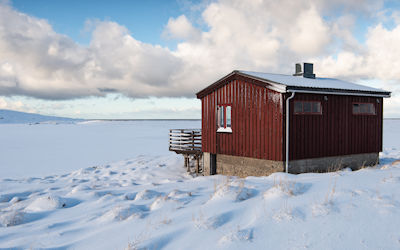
331,123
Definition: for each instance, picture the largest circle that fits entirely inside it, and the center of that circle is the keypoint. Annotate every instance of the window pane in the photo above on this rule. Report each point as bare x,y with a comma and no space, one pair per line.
221,116
298,107
228,116
307,107
364,108
356,108
316,107
371,108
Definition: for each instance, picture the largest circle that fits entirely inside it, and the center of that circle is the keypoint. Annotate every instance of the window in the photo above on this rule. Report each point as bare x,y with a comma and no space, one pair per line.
224,112
363,109
307,108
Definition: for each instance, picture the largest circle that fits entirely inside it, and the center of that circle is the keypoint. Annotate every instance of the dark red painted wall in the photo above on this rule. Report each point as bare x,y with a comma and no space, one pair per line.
257,121
337,131
258,124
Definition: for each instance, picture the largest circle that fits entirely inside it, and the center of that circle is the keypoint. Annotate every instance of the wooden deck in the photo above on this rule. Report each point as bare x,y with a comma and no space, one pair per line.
188,143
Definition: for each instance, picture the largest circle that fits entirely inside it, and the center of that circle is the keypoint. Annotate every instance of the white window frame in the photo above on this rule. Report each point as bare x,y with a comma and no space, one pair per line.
224,115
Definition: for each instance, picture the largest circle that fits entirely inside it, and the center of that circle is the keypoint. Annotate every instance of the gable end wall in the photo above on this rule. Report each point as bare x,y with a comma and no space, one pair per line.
257,120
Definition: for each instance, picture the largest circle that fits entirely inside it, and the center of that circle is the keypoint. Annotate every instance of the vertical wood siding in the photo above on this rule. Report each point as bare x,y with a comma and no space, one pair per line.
337,131
257,120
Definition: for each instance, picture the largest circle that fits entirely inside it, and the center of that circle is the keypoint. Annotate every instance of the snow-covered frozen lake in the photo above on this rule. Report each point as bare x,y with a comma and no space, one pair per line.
44,149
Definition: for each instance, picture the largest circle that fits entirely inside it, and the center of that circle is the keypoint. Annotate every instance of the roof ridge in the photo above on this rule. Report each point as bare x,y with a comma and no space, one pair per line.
328,78
318,82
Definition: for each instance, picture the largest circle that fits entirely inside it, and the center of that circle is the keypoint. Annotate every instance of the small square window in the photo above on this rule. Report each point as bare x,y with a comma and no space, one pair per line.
364,109
307,107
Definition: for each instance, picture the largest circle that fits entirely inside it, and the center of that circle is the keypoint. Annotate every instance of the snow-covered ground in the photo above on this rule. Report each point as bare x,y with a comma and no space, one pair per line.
150,202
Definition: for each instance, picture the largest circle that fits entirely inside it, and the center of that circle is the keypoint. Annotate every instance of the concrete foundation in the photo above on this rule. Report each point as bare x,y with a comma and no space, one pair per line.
245,166
206,163
328,164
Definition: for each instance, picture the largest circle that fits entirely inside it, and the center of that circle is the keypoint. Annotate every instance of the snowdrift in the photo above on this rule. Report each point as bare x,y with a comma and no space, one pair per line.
152,203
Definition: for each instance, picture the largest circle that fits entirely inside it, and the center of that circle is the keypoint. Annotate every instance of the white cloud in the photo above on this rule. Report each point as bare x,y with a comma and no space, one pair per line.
262,35
181,28
14,105
309,34
379,58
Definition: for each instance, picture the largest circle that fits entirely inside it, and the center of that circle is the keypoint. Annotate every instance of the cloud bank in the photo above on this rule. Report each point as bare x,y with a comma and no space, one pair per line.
258,35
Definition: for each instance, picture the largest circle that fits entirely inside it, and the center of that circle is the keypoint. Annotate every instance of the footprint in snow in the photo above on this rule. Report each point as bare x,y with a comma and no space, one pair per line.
288,213
177,194
237,235
386,204
106,192
120,213
147,195
159,202
324,209
286,189
391,179
237,193
213,222
130,196
59,224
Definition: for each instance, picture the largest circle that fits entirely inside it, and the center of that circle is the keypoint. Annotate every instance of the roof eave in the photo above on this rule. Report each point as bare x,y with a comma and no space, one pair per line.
281,88
310,90
200,93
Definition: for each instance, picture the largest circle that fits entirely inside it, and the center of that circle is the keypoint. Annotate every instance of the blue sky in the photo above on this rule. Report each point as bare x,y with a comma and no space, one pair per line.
144,19
147,59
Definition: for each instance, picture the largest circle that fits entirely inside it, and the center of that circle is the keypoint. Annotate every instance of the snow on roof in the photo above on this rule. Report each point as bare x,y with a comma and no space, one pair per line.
317,83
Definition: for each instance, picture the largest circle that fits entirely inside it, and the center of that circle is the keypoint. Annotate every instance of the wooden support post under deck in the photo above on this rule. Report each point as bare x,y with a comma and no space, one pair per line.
197,164
188,162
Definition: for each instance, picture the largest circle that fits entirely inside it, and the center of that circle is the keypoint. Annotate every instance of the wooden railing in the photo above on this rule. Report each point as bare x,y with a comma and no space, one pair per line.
185,141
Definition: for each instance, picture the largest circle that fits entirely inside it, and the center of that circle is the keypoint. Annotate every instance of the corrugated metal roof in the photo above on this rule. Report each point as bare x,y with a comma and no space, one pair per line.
317,83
